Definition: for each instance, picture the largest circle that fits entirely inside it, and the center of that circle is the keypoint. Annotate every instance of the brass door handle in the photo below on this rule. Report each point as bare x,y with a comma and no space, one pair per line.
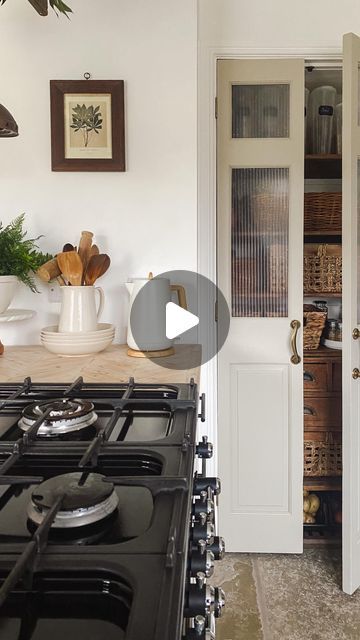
356,373
295,326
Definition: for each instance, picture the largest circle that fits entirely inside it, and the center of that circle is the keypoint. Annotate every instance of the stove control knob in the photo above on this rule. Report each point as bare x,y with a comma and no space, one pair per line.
203,484
203,532
202,562
199,625
218,547
219,602
200,579
202,546
204,506
205,449
199,600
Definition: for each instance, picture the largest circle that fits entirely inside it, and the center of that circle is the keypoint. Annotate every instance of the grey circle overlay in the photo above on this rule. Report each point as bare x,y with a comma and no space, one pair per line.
204,299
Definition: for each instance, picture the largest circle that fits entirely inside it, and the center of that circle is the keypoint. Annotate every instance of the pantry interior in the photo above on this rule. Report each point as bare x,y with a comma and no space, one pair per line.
322,363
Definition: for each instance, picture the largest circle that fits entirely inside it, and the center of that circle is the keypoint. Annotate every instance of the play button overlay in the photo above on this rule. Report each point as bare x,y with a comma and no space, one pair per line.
178,320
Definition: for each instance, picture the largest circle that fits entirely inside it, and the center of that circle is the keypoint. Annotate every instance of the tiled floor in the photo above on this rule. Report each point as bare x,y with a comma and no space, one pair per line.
286,597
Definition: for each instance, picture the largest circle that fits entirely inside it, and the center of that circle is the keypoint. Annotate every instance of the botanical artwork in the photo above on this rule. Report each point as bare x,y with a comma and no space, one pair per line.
87,126
86,120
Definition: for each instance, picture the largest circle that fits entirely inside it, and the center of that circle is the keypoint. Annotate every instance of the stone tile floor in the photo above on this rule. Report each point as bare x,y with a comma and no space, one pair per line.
286,597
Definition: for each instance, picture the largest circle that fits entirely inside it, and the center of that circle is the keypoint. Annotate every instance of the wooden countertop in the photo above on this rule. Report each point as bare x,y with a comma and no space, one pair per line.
111,365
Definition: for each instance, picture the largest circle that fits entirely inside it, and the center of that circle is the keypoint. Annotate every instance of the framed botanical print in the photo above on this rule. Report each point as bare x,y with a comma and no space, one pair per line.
87,125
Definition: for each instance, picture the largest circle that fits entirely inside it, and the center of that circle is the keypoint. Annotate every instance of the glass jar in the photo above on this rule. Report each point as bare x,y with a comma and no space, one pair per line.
339,332
322,305
331,329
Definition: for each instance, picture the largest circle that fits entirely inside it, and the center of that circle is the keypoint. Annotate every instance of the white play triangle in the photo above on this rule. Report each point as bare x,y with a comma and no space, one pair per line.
178,320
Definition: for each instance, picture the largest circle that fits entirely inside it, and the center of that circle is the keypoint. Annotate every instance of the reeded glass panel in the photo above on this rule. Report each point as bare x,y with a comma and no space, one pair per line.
259,242
260,111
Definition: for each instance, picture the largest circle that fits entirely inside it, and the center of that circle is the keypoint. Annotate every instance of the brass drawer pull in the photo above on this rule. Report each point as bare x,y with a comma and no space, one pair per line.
295,326
308,377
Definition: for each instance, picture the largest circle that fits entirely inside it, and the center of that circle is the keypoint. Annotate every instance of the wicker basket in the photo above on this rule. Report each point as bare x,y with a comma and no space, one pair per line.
270,211
314,323
322,212
322,269
322,454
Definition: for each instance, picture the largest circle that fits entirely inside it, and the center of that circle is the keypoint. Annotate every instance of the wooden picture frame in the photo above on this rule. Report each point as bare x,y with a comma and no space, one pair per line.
87,125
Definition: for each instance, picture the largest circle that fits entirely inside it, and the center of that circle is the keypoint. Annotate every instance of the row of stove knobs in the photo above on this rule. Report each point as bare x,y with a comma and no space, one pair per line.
204,603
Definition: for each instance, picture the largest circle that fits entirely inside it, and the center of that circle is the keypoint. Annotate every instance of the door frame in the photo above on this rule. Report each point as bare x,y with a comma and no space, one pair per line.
207,178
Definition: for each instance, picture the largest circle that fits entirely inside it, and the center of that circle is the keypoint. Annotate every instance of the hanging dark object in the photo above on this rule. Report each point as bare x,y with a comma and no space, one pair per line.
8,126
41,6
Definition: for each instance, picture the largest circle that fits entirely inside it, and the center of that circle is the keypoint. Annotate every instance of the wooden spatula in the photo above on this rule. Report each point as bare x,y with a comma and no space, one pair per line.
71,267
94,250
97,266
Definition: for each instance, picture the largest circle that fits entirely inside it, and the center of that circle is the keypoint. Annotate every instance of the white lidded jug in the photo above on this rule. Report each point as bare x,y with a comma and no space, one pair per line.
147,316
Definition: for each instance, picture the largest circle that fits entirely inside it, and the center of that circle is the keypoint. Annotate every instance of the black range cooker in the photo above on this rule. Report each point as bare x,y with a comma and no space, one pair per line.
106,529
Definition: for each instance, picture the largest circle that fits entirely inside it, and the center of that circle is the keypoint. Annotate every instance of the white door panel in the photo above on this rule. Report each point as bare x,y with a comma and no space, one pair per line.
351,317
260,249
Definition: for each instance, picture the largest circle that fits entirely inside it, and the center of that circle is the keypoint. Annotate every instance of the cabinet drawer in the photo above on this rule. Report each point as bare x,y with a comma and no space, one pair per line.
322,412
316,377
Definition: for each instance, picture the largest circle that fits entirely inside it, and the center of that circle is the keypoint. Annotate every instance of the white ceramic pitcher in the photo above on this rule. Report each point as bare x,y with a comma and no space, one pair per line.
78,309
151,312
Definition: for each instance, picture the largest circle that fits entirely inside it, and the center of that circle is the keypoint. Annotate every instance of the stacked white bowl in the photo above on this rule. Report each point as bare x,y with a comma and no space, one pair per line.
73,343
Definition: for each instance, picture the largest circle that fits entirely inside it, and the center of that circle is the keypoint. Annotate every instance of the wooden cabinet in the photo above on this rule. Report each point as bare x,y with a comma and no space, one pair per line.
323,424
322,390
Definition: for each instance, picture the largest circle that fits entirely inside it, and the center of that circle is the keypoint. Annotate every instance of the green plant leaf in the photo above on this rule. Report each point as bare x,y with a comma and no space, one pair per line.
19,255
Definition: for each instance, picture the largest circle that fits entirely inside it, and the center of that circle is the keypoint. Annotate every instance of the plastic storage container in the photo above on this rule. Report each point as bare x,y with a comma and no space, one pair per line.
321,116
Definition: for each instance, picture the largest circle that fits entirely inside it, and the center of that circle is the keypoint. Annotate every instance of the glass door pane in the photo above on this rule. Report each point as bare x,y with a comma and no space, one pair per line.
259,243
260,111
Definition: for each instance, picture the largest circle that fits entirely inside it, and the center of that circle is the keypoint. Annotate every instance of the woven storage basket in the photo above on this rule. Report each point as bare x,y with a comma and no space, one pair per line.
314,323
322,269
322,212
270,211
322,455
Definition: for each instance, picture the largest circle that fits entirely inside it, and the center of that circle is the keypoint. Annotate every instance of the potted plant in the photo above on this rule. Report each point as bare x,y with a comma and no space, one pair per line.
19,256
41,6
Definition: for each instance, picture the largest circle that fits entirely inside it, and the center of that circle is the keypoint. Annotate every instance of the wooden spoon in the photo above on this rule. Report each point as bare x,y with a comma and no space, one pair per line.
68,247
71,267
97,266
49,270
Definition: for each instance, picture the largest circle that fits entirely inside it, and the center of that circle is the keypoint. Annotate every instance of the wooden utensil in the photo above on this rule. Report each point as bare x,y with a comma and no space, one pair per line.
94,250
84,247
71,267
49,270
68,247
97,266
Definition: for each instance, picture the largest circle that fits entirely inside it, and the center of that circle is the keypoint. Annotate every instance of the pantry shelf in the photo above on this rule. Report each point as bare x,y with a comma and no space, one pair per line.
322,483
323,166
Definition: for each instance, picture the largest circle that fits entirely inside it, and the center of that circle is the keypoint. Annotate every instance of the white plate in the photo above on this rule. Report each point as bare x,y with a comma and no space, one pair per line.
76,349
12,315
101,328
332,344
76,339
80,342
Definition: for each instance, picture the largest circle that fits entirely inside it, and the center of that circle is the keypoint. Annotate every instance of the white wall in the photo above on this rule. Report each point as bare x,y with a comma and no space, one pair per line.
144,218
278,23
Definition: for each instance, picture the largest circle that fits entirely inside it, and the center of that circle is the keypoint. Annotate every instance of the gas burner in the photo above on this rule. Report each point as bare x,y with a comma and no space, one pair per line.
86,500
66,416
